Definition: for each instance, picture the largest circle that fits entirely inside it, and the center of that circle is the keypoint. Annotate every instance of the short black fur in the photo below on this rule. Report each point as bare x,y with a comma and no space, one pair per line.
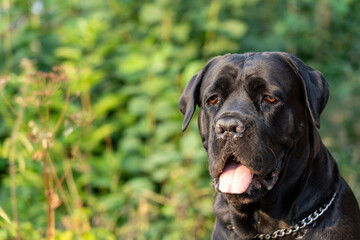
277,140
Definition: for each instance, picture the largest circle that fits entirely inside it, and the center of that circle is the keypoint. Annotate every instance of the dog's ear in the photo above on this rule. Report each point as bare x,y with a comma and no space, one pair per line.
315,87
190,96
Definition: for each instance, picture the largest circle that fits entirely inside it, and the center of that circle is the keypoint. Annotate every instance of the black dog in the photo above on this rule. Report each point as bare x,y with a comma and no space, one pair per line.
273,175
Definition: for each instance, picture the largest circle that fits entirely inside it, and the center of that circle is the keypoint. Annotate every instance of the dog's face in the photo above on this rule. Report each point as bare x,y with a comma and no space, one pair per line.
254,108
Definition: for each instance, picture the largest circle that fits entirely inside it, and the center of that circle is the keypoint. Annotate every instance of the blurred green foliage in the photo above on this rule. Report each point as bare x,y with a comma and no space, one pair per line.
134,174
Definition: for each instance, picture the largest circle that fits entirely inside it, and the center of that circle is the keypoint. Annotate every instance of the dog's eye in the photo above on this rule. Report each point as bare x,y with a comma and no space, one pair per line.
270,99
213,100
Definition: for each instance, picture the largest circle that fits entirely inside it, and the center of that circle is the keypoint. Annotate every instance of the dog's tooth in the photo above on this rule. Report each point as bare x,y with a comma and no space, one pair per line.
257,184
216,184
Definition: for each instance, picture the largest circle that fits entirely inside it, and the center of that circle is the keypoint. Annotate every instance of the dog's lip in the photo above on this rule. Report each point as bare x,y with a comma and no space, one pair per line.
232,157
258,180
267,181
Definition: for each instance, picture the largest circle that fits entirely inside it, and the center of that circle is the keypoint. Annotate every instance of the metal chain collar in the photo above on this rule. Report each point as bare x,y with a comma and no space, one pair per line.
302,224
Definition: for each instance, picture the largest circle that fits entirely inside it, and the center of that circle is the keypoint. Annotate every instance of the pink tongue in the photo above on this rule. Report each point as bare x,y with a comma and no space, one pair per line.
236,178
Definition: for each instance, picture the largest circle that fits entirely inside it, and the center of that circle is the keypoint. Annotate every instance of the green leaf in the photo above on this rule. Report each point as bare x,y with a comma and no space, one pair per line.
138,106
140,184
68,53
151,13
133,63
234,28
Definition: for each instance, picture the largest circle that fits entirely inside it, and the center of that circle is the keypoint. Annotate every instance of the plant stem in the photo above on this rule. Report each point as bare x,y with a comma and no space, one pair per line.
12,156
50,229
14,134
12,168
63,111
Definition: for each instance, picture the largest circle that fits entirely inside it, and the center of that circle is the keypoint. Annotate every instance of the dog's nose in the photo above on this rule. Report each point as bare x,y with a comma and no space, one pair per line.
229,126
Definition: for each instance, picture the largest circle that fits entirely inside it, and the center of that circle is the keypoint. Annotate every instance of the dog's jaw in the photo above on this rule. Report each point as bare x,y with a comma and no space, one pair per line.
253,184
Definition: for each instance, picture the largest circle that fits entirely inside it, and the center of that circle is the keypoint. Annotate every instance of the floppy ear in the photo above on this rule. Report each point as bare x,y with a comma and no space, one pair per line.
190,96
315,87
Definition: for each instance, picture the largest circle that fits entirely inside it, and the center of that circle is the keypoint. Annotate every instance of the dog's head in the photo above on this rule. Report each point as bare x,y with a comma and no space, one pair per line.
254,109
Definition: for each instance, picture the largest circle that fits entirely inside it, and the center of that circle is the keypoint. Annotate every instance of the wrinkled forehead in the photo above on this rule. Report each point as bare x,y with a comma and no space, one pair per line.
239,69
270,66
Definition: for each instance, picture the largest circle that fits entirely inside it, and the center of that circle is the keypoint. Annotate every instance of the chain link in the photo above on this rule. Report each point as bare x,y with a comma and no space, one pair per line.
302,224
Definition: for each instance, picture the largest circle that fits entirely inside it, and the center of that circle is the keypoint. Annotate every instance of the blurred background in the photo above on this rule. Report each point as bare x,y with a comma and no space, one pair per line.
91,143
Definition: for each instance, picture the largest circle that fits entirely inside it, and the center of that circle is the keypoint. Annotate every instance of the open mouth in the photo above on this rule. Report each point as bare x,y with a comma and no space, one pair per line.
236,178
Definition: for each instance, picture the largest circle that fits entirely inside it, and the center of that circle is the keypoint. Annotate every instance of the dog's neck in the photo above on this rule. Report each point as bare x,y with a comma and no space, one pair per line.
314,185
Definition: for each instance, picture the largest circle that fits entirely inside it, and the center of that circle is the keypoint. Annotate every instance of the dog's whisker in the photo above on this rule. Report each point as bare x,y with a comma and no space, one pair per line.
273,153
